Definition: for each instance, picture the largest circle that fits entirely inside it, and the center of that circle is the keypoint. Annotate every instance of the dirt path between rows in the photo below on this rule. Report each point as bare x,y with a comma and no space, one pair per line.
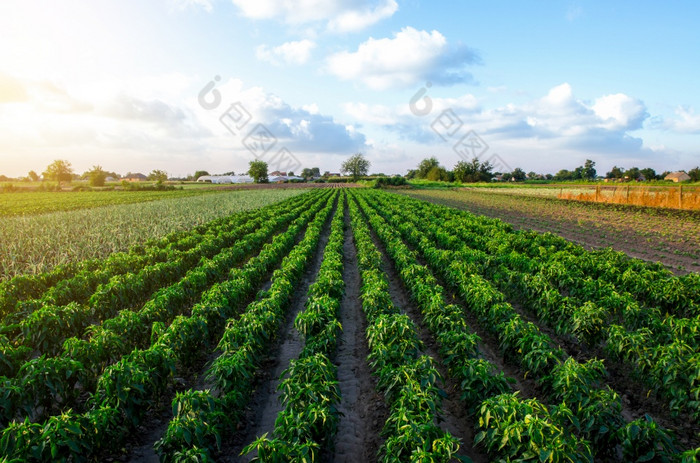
363,409
265,404
454,417
139,447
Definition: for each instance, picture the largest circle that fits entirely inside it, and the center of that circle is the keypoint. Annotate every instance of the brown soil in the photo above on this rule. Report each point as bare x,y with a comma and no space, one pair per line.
139,446
667,236
363,409
635,396
454,417
265,405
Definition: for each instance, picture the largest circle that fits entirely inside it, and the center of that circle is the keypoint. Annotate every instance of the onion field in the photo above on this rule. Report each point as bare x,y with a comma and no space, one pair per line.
348,325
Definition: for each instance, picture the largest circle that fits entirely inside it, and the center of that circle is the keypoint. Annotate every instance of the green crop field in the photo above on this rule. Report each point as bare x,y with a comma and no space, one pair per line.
41,202
291,325
37,243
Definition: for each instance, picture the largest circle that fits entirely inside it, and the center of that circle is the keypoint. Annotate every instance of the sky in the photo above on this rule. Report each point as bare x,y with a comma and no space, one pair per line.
187,85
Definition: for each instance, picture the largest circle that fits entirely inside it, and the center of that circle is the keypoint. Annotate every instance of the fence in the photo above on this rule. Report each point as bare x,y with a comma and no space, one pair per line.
671,197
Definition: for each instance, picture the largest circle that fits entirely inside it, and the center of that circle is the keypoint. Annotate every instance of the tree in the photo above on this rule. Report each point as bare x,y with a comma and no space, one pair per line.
425,166
59,170
96,176
473,171
357,166
315,172
518,174
438,174
290,173
307,173
589,171
633,173
158,175
615,172
200,173
258,170
648,173
564,175
33,176
694,174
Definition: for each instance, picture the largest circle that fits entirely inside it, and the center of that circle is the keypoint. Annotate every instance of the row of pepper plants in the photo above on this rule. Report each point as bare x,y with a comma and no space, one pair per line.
128,390
662,348
76,282
503,429
595,410
46,385
45,329
308,421
202,417
408,379
33,326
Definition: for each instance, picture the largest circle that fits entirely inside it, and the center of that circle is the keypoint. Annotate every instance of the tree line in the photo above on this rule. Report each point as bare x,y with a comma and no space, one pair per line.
476,171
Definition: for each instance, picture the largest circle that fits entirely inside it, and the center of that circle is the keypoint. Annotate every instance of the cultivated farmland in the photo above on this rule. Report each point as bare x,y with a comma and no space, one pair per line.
671,237
352,325
36,243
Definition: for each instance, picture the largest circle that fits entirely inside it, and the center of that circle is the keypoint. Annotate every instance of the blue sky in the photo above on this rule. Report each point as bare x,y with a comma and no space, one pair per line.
537,85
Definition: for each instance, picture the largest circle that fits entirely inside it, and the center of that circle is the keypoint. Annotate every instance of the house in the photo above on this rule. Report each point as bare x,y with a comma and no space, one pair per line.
677,177
137,177
278,173
218,179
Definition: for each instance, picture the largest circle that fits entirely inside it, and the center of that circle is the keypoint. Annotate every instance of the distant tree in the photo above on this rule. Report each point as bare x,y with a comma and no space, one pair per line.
664,174
694,174
411,174
96,176
357,166
549,176
518,174
425,166
563,175
633,173
33,176
315,172
199,173
466,171
473,171
229,173
158,175
648,173
258,170
59,170
291,173
485,171
589,171
307,173
438,174
615,172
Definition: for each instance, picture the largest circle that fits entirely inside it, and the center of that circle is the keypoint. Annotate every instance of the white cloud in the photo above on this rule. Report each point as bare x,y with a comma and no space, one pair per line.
355,20
555,123
408,58
620,111
204,4
123,128
297,52
686,121
339,15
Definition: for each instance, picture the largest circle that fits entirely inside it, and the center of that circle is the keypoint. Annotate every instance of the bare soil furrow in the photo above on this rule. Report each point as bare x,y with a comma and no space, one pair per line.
363,409
266,404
